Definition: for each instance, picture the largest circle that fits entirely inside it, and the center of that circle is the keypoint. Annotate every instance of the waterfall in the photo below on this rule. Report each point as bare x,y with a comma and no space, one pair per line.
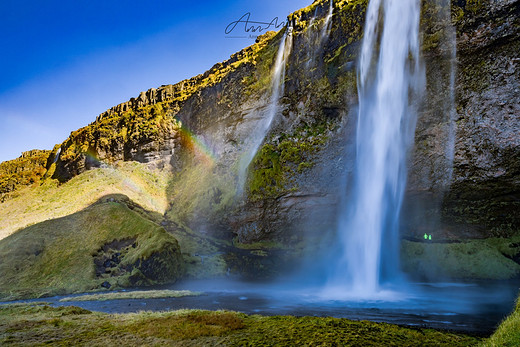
277,86
451,43
316,37
390,79
57,156
325,31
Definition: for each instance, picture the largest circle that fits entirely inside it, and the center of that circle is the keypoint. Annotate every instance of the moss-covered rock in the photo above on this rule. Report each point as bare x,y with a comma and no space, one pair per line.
475,259
28,169
106,245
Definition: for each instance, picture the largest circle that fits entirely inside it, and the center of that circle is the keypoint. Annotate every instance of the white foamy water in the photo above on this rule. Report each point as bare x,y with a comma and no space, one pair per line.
390,75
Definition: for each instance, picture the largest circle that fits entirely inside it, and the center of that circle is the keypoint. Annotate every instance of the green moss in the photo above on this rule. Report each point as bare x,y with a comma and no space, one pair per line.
508,333
145,186
141,294
26,170
39,324
258,245
141,125
337,53
475,259
263,59
58,256
276,164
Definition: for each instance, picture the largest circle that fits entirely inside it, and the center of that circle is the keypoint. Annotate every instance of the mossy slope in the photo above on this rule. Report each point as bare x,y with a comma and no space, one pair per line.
106,242
39,324
508,333
472,259
30,205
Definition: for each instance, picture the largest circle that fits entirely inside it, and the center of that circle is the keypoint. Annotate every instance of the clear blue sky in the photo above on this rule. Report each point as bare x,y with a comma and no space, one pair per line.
65,62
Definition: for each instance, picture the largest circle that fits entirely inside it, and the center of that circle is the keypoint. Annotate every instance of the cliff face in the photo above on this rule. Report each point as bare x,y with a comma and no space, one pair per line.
28,169
486,180
464,168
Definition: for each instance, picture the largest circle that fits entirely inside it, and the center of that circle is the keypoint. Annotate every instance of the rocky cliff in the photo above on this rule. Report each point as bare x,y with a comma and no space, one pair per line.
464,168
28,169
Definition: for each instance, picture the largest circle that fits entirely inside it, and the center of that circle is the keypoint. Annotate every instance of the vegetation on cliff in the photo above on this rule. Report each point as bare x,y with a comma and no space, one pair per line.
28,169
274,168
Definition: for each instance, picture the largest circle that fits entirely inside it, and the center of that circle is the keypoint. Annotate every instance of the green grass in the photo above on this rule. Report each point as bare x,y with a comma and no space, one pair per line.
40,324
508,333
32,205
57,256
137,294
475,259
155,191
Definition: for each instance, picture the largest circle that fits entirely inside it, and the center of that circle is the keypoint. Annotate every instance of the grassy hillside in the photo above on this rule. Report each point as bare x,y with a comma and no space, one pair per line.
39,324
31,205
104,243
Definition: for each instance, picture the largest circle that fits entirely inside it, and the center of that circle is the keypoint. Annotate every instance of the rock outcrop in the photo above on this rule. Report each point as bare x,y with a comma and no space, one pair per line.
28,169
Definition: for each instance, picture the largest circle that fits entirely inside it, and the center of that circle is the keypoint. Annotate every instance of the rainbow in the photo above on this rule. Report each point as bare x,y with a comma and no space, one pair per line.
196,146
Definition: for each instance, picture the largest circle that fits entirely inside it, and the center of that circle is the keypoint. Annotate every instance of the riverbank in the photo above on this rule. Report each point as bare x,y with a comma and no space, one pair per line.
38,323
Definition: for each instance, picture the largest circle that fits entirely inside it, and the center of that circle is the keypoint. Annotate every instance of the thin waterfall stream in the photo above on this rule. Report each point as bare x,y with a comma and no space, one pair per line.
325,31
277,87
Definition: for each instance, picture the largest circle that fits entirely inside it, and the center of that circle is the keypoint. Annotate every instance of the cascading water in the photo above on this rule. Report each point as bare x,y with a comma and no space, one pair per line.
318,38
390,75
450,40
325,31
256,139
57,155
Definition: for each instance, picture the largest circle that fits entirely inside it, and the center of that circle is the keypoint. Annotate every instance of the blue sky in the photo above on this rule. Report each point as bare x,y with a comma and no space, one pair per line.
65,62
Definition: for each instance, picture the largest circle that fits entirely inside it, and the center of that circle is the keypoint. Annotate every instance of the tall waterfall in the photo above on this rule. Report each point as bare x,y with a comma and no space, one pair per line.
277,87
390,78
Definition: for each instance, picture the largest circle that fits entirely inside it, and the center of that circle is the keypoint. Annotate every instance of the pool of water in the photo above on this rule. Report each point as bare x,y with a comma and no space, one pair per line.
474,308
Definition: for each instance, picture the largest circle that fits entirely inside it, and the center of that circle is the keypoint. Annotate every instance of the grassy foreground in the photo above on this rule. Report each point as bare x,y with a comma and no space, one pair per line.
508,333
22,324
